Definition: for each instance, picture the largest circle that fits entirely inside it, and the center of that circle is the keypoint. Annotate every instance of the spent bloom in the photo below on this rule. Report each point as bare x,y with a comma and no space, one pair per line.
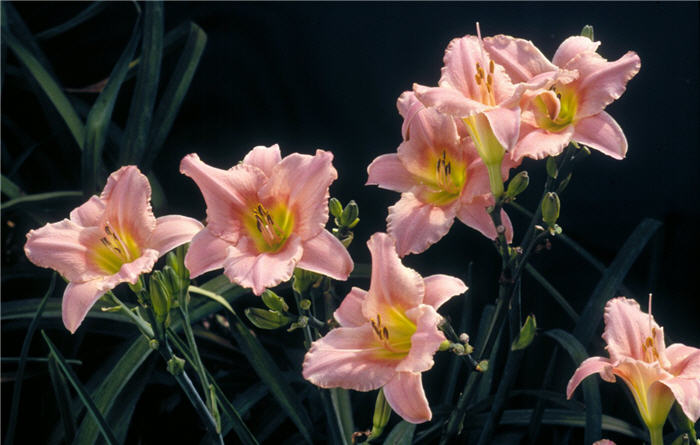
572,107
266,216
387,335
654,373
110,239
440,177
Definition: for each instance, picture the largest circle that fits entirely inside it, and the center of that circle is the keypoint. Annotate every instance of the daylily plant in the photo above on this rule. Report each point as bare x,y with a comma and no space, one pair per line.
572,107
440,177
111,239
388,335
654,373
266,216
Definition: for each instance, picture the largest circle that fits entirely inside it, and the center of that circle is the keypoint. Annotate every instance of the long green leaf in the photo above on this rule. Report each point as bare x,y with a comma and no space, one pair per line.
212,295
123,408
144,96
401,434
84,15
175,92
591,392
82,392
558,297
17,390
60,389
39,197
9,188
100,116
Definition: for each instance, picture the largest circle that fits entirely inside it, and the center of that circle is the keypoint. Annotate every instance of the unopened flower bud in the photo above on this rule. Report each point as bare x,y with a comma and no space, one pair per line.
483,366
444,346
518,184
550,208
176,365
335,207
274,301
464,338
160,298
587,31
564,183
382,413
266,319
305,304
350,214
551,166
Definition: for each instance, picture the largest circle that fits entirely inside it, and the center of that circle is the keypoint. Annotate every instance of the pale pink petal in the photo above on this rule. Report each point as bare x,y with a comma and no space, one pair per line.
604,442
229,194
461,57
440,288
505,124
477,181
475,216
448,100
63,246
392,284
265,158
78,298
415,225
172,231
127,199
425,341
538,143
247,267
348,358
627,328
90,213
303,181
130,272
326,255
687,394
349,313
408,106
406,397
387,172
590,366
520,58
572,47
685,360
207,252
602,133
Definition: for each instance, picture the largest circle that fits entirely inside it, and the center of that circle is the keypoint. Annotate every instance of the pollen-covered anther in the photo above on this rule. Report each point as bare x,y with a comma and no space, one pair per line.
266,225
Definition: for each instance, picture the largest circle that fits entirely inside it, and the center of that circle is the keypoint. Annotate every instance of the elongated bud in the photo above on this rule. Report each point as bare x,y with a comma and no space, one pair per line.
587,31
266,319
350,214
526,335
274,301
160,298
550,208
564,183
518,184
335,208
382,413
551,165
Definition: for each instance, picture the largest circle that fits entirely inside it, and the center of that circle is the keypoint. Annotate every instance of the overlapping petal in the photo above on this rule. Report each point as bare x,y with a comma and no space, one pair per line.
416,225
406,396
316,258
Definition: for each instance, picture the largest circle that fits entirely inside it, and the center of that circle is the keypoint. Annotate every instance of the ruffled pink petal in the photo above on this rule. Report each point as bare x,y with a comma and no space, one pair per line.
303,181
602,82
63,246
406,397
247,267
228,193
602,133
627,328
392,283
520,58
130,272
172,231
349,313
408,106
78,298
477,181
590,366
387,172
505,124
448,100
424,342
687,394
440,288
326,255
127,200
90,213
207,252
265,158
685,361
572,47
348,358
416,225
461,56
538,143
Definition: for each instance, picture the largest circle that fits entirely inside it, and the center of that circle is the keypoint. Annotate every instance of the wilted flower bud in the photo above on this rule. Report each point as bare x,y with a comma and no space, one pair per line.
518,184
550,208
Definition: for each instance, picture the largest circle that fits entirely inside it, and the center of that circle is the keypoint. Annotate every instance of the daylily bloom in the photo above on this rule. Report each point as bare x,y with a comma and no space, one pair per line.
388,335
111,239
440,177
654,373
572,107
266,216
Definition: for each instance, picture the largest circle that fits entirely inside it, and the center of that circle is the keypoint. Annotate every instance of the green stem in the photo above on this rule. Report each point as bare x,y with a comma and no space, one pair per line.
140,323
656,435
495,179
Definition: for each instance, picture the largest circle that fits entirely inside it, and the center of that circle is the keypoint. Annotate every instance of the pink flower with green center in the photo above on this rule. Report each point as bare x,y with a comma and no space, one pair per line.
387,335
266,216
440,177
654,374
572,108
111,239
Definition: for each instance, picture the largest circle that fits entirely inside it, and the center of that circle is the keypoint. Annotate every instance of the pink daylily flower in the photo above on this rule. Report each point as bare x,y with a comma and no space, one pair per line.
388,335
439,175
572,107
111,239
266,216
654,373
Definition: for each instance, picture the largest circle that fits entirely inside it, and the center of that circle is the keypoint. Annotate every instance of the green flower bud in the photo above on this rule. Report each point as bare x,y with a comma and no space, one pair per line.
274,301
305,304
564,183
552,169
518,184
483,366
444,346
153,344
382,414
550,208
176,365
526,335
301,322
266,319
335,207
160,297
350,214
587,31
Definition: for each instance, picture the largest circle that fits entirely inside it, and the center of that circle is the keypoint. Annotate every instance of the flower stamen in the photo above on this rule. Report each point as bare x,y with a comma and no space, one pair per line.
266,226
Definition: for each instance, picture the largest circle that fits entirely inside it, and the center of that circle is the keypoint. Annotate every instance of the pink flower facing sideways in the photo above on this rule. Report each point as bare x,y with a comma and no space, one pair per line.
266,216
654,373
110,239
388,335
572,107
440,177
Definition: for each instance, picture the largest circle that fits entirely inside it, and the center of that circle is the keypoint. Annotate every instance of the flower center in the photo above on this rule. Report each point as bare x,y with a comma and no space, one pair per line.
485,83
555,109
270,228
115,249
394,333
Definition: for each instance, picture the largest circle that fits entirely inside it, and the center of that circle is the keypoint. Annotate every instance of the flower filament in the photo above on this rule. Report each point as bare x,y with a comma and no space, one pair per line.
485,83
394,334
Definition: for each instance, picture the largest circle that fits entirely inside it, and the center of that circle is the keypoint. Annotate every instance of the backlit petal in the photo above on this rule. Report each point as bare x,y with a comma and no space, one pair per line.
687,394
207,252
448,100
602,133
590,366
349,313
571,47
627,329
505,124
406,396
416,225
127,199
326,255
440,288
265,158
520,58
172,231
685,361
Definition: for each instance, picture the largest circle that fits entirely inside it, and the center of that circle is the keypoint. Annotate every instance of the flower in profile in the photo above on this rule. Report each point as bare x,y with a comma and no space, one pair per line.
387,335
572,107
111,239
654,373
266,216
440,177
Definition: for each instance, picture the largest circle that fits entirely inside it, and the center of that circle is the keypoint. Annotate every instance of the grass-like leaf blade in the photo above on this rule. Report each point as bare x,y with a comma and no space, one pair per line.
39,197
60,389
83,16
9,188
401,434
